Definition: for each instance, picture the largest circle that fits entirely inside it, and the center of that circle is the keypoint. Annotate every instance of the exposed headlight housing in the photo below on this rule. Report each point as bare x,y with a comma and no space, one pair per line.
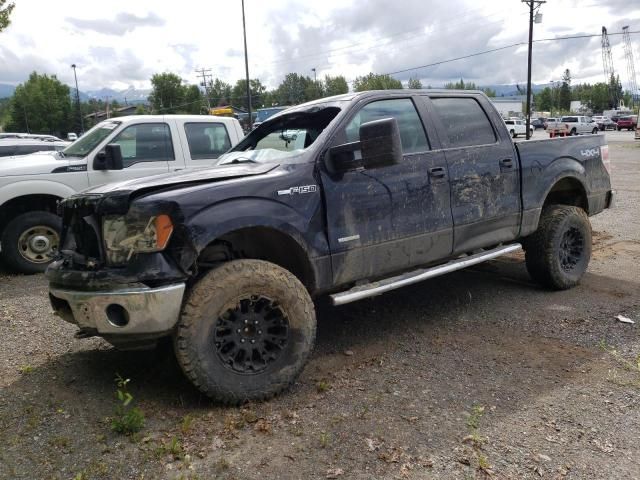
124,237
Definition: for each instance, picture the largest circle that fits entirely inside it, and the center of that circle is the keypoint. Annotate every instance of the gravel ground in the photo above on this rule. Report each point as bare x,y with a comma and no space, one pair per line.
478,373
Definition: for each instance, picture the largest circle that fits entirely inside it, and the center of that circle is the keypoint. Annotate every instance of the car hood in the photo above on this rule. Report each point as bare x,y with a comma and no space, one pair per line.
204,175
39,163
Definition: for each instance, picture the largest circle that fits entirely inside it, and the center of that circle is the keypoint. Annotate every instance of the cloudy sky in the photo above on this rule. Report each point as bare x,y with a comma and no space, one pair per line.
119,43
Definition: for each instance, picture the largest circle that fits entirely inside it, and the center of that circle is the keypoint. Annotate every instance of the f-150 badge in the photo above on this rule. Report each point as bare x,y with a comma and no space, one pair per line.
301,189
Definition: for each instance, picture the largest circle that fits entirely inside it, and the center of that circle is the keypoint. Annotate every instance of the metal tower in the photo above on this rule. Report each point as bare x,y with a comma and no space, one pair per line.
609,73
631,69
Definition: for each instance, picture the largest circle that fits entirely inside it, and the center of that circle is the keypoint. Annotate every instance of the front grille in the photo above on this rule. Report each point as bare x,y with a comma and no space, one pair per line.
81,230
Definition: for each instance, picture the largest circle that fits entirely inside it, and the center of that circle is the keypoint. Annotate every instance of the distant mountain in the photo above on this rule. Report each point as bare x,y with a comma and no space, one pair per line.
512,90
6,90
130,95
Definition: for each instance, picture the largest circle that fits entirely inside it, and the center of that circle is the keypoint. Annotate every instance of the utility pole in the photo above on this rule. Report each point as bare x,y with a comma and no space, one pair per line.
246,66
315,80
78,98
205,73
533,4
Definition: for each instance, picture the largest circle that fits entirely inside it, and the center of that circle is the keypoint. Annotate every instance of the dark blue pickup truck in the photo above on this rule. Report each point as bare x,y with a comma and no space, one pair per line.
349,197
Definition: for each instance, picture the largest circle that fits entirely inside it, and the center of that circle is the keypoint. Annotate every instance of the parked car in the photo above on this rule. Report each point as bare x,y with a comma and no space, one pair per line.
630,122
550,122
24,146
72,137
51,138
637,135
31,188
604,123
538,123
574,125
517,127
388,188
264,113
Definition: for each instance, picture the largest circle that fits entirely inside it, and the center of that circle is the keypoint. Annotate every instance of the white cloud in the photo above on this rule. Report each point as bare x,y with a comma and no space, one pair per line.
124,43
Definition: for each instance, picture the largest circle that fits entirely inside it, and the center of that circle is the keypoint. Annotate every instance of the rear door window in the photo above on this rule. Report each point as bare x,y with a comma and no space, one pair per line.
464,121
207,140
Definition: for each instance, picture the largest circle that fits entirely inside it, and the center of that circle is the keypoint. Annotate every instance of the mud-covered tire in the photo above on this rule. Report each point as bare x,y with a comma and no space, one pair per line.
513,133
557,254
17,252
206,332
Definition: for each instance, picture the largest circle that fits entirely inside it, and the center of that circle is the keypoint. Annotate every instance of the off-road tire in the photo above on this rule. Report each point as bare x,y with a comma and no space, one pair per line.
513,133
11,255
594,131
543,249
195,344
573,132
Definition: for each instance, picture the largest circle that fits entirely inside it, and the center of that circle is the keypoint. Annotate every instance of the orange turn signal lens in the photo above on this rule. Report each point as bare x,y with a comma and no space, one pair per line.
164,228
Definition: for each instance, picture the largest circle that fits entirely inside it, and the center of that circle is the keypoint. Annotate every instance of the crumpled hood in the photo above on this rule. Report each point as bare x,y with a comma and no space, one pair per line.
39,163
204,175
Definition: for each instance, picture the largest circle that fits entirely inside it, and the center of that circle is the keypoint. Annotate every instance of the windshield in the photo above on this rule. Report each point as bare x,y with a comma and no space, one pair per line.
284,137
90,140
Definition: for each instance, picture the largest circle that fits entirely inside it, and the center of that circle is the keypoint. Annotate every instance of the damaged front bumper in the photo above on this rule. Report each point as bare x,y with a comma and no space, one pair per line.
135,312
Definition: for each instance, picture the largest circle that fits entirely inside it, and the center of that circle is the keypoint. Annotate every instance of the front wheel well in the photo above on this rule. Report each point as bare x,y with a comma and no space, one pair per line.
260,243
567,191
27,203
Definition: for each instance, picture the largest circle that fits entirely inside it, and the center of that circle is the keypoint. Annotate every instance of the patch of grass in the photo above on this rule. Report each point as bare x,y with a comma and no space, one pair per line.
632,366
221,465
322,386
60,442
172,447
473,422
186,424
26,369
325,439
127,419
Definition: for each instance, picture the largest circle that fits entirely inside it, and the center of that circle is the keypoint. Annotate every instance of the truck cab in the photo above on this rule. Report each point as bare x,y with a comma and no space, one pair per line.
32,185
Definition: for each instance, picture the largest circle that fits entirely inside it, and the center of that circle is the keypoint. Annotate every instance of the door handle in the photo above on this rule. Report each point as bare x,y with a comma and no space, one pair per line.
506,163
437,172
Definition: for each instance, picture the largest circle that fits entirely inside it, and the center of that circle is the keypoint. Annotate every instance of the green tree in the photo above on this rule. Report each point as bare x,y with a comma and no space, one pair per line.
335,85
219,92
543,100
141,110
374,81
192,99
5,11
167,94
41,105
462,85
239,94
564,96
313,90
292,89
414,83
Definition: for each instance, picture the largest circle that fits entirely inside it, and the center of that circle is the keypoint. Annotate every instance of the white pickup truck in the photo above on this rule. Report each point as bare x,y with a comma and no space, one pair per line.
118,149
517,127
576,125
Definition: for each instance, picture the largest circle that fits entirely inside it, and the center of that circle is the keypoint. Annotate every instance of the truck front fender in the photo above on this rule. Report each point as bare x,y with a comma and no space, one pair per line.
34,187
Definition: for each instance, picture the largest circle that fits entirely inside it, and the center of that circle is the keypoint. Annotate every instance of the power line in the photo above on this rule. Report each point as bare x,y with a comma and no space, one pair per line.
505,47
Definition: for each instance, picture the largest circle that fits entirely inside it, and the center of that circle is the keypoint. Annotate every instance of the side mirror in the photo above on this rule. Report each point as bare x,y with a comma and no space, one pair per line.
380,143
380,146
109,159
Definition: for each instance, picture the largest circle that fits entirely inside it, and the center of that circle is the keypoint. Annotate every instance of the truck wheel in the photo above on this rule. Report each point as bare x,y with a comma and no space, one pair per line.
29,240
558,253
573,132
513,133
594,131
246,331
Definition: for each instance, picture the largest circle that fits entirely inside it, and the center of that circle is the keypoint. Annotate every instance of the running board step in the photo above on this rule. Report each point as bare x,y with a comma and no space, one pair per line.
388,284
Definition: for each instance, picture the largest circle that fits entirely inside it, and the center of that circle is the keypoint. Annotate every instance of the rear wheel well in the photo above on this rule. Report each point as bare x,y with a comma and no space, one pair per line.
27,203
260,243
568,191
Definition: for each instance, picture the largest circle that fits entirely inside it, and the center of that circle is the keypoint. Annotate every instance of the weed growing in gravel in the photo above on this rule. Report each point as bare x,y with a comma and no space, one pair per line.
173,448
322,386
630,366
127,419
187,423
475,439
26,369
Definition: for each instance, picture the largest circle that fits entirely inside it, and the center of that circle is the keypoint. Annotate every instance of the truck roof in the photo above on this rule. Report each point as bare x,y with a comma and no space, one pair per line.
347,97
199,118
